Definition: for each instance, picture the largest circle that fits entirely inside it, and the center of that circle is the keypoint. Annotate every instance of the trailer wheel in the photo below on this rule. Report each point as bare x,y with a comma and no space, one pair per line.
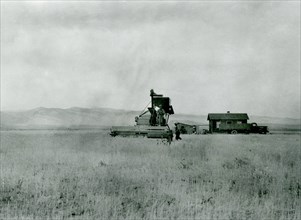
233,132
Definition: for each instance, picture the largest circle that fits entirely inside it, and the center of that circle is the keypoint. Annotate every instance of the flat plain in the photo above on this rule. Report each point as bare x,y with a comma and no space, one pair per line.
74,174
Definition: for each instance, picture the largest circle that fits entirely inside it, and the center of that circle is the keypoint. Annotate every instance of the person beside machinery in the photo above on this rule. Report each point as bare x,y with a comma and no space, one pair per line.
178,133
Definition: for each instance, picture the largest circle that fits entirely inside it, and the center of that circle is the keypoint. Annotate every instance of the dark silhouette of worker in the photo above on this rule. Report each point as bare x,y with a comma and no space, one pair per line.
160,115
178,134
153,118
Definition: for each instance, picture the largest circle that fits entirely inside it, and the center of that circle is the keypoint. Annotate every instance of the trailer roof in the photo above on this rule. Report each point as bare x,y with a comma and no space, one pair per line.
227,116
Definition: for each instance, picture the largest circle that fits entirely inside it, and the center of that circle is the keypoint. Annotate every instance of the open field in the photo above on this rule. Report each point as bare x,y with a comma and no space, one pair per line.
90,175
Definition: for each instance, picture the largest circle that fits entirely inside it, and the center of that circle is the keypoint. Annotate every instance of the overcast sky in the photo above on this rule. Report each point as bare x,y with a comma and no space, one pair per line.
240,56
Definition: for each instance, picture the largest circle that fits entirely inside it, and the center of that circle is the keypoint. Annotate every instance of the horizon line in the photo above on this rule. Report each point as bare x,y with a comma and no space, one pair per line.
180,113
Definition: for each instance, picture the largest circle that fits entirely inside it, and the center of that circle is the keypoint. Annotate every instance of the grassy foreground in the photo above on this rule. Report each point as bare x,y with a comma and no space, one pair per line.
89,175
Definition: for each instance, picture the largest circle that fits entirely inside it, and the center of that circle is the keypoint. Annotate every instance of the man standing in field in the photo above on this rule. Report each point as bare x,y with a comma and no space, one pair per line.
178,133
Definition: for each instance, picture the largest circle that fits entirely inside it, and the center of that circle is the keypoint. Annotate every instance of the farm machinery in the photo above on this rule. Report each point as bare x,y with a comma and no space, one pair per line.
243,128
233,123
152,122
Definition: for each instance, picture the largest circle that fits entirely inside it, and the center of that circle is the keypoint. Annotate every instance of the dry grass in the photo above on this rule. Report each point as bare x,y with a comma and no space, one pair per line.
89,175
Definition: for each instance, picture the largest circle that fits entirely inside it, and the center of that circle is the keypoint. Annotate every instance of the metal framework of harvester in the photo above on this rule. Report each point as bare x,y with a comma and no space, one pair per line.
152,123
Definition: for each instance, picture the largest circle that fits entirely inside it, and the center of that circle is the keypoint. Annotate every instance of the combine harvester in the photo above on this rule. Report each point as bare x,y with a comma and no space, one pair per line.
152,123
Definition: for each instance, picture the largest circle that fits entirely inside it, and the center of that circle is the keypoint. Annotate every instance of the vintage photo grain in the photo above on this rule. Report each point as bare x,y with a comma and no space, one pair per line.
150,110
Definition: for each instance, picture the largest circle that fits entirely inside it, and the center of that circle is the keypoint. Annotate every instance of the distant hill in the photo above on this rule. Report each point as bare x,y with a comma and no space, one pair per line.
57,118
66,118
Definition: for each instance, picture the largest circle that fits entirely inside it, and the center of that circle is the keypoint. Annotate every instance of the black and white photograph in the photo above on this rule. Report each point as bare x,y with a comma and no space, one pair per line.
149,109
